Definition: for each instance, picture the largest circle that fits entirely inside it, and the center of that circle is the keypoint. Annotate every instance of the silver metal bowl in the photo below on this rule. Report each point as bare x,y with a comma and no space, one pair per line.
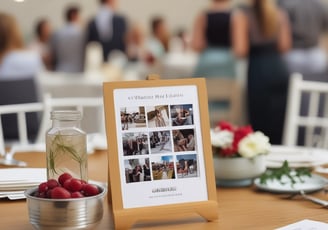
74,213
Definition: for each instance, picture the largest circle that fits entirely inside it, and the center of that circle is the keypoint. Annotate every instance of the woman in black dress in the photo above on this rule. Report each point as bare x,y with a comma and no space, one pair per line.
212,39
262,33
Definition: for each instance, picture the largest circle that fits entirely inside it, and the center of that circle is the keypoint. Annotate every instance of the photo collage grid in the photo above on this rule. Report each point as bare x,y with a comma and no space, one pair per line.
158,142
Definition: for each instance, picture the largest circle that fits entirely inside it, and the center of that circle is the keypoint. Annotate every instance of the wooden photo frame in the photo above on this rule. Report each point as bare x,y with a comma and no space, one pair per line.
159,155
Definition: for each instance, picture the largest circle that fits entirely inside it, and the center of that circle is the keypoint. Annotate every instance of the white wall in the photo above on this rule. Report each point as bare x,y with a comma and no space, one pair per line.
178,13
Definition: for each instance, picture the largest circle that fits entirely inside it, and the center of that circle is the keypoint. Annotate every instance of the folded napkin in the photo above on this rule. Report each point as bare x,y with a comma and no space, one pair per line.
14,181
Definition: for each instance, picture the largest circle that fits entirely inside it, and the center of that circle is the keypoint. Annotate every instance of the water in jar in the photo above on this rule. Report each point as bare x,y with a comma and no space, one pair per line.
66,153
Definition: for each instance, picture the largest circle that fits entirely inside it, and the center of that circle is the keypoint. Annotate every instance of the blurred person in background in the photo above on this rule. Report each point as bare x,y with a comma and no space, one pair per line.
67,44
18,70
15,60
180,41
309,22
108,28
43,33
261,33
135,43
158,43
212,39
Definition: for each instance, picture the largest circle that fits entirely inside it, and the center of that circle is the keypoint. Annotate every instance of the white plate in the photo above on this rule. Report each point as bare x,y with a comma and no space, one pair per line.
296,156
310,184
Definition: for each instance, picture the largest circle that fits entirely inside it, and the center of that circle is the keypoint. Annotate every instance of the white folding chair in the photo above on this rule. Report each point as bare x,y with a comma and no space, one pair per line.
45,107
306,120
20,110
22,143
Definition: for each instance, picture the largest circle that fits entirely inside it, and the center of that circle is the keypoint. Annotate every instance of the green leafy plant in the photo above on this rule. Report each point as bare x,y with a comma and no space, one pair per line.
280,174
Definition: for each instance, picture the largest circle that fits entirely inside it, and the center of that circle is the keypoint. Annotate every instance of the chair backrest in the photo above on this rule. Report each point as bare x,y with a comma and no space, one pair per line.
17,91
45,107
20,110
306,120
225,90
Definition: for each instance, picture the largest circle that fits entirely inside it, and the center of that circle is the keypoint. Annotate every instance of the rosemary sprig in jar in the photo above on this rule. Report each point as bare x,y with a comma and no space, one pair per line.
59,148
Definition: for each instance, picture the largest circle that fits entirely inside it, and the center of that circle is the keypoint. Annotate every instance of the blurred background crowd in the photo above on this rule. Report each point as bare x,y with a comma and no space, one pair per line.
257,42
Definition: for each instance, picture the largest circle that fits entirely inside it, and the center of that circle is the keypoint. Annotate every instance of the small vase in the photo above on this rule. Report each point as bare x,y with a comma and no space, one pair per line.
238,172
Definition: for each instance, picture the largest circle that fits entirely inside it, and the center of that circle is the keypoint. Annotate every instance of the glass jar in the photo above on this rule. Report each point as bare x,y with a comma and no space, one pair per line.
66,146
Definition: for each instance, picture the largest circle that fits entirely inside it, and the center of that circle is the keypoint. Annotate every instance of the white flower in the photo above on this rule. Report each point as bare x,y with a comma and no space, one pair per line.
221,139
254,144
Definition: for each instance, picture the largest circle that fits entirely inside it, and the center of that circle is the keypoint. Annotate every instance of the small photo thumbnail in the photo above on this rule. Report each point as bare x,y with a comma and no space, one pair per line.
137,170
158,116
162,167
160,142
133,117
182,115
186,166
135,143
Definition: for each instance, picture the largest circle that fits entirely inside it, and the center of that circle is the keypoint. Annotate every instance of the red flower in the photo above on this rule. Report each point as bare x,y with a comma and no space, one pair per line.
238,134
224,125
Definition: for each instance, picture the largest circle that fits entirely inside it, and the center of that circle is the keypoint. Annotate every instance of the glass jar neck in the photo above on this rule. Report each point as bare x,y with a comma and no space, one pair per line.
66,123
66,118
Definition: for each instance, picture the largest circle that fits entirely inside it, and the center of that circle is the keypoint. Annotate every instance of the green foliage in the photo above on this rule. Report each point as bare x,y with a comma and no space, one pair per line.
280,174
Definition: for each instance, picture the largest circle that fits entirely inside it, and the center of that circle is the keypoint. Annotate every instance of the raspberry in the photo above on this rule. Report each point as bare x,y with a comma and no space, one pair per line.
48,193
43,187
63,177
60,193
52,183
90,190
74,185
66,187
67,184
77,195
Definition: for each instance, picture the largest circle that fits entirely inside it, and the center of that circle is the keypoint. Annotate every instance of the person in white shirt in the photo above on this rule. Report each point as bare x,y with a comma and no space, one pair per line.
18,70
15,61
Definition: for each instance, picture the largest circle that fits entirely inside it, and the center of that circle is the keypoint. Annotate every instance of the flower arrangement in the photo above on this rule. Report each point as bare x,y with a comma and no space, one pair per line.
230,141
